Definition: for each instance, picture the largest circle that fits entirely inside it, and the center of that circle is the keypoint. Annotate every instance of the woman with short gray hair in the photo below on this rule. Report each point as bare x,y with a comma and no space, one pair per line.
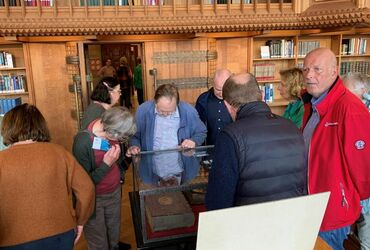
97,150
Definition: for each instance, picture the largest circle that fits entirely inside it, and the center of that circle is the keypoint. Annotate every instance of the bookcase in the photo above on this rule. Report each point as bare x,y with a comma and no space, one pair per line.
270,54
354,54
15,86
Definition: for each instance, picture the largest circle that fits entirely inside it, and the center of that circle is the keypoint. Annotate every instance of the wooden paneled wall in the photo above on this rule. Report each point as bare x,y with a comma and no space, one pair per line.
51,90
232,54
177,61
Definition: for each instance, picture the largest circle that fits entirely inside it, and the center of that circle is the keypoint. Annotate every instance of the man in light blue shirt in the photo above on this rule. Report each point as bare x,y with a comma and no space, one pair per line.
166,122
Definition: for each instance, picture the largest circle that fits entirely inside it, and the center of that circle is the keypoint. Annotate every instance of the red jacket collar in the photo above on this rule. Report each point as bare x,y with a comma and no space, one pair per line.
336,90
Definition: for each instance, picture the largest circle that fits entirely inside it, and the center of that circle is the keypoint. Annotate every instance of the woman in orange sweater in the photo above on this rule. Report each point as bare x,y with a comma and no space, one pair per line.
37,182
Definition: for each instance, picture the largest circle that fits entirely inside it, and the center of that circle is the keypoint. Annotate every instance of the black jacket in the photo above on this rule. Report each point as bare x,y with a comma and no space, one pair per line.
270,153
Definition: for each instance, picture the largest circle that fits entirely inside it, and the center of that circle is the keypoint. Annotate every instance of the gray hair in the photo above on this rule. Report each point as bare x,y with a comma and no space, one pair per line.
118,122
357,81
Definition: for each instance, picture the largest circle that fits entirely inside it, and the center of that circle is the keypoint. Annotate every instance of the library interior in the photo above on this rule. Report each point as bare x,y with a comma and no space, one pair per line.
53,54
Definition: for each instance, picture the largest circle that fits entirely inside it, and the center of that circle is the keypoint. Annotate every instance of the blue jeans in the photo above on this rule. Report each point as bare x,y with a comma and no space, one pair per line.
364,232
63,241
335,238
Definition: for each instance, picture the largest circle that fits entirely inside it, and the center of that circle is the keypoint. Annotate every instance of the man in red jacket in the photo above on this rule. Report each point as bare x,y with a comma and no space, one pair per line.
335,129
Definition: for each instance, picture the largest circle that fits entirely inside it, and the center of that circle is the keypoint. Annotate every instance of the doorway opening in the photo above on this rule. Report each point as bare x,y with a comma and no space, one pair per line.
97,55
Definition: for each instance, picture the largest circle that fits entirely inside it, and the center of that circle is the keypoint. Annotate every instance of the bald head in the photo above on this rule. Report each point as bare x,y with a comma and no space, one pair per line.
320,71
219,79
241,89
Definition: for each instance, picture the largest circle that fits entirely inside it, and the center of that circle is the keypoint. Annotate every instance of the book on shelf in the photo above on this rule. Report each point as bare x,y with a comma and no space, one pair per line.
267,90
304,47
91,2
46,3
265,52
123,2
32,3
354,67
6,60
264,71
9,103
243,1
281,48
353,46
12,83
168,211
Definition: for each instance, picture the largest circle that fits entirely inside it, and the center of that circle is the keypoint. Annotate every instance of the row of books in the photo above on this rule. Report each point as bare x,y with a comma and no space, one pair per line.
268,90
112,2
278,49
42,2
121,2
355,67
8,104
12,83
264,71
6,60
354,46
225,1
304,47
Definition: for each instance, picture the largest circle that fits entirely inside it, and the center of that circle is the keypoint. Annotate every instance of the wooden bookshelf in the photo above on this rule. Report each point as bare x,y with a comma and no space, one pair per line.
15,81
356,57
354,54
282,55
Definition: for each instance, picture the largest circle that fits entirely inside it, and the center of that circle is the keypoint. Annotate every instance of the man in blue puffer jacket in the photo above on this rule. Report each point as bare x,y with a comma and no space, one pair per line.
257,158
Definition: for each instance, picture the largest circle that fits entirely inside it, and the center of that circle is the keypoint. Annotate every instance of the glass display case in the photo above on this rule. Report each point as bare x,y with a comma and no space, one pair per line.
169,190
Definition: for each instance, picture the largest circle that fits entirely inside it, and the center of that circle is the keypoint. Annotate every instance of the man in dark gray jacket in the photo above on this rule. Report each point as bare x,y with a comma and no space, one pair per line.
259,157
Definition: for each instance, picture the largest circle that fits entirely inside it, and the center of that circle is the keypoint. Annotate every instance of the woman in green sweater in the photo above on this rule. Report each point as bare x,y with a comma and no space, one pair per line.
290,89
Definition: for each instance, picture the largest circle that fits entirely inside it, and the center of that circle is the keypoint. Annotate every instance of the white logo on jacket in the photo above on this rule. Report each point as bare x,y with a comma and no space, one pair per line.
360,144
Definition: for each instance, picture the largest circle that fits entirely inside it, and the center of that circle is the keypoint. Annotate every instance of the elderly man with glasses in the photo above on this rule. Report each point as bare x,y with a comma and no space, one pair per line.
165,123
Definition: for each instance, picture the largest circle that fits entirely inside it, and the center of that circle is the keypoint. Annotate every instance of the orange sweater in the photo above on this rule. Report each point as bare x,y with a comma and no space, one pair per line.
36,185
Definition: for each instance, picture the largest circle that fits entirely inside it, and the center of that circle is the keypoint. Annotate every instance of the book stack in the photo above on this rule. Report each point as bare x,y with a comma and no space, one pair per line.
354,67
304,47
8,104
12,3
90,3
154,2
264,71
12,83
268,90
46,2
6,60
30,2
123,2
281,48
354,46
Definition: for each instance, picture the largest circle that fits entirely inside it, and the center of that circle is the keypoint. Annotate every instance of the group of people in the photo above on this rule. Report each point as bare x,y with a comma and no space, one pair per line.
321,145
262,157
128,81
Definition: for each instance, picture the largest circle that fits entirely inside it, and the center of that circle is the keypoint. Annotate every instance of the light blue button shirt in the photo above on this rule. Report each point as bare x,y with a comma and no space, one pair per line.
165,137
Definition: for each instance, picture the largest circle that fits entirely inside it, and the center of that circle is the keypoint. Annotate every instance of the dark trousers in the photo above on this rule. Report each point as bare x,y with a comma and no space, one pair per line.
125,99
102,231
140,96
63,241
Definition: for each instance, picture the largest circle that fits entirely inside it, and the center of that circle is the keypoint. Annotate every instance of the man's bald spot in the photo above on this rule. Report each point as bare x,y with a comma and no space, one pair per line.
222,75
243,78
325,54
